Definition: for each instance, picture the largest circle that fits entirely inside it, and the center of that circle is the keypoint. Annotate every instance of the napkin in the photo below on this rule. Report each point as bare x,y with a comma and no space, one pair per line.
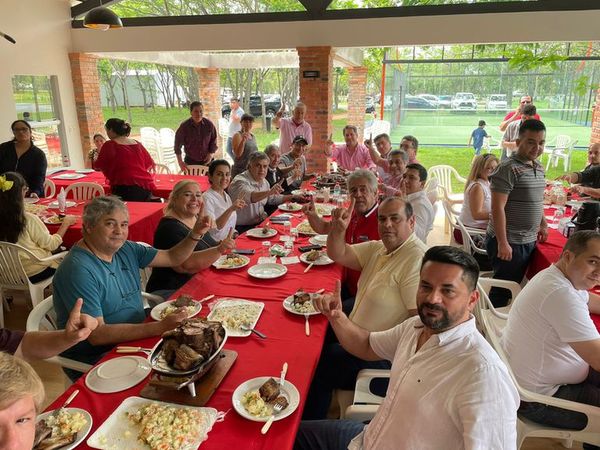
285,260
62,200
267,260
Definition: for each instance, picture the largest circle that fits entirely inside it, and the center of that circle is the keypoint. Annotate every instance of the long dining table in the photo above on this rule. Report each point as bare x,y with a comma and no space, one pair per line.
286,342
164,182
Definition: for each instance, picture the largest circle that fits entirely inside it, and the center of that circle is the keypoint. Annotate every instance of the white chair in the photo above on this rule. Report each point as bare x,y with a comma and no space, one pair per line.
527,428
497,315
444,174
195,170
224,134
365,402
563,149
377,127
161,169
13,276
451,219
43,317
49,188
84,191
167,145
150,139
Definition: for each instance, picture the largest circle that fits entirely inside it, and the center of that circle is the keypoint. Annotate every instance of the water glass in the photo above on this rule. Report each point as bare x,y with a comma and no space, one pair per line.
266,246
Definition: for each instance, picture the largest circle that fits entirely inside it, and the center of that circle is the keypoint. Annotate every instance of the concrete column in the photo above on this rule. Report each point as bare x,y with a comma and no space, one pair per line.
209,93
595,136
357,92
317,94
86,86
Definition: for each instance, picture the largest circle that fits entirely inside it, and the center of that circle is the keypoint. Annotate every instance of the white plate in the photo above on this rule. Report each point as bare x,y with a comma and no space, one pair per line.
158,309
323,260
324,209
228,301
290,207
319,239
267,271
303,230
288,390
117,374
218,263
52,220
302,192
81,434
68,176
31,199
258,233
287,305
68,204
85,171
118,432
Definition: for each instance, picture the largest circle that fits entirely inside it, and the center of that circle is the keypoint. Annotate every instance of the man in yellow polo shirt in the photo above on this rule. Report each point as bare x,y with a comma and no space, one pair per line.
386,293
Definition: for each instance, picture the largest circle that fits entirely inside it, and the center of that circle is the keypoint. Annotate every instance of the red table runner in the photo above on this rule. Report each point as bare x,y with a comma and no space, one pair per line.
164,182
286,342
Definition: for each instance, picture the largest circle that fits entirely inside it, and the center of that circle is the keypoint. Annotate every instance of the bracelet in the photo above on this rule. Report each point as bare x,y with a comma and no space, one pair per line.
195,237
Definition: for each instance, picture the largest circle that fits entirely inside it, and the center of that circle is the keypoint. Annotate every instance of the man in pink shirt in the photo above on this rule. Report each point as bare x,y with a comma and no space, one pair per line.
351,155
294,126
516,114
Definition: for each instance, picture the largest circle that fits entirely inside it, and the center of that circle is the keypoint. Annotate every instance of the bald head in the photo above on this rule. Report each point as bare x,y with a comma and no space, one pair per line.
594,154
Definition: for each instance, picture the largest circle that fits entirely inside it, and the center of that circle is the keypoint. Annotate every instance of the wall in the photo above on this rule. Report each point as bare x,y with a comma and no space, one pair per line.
42,29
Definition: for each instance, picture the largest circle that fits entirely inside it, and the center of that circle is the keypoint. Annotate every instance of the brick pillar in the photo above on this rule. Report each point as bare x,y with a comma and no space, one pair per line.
209,93
86,85
317,94
357,92
595,137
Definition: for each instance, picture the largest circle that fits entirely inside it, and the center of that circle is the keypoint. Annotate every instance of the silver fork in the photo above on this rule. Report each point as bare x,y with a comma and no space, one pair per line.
277,408
252,330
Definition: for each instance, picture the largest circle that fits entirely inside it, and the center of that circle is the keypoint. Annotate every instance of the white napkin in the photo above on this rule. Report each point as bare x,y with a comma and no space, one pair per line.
285,260
267,260
62,200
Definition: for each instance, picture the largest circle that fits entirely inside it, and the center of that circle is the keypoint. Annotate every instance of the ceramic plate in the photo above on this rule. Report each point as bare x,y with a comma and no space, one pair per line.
69,204
238,261
267,271
319,239
258,233
288,306
305,229
52,220
324,209
85,171
81,434
290,207
118,432
288,390
233,321
158,309
323,260
68,176
117,374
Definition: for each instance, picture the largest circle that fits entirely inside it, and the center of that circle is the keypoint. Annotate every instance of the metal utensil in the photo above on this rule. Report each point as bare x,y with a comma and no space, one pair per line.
306,324
277,408
252,330
125,349
309,266
57,411
283,374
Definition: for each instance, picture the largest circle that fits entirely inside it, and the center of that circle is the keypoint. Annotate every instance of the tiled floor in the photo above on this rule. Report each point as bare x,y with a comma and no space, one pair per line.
54,380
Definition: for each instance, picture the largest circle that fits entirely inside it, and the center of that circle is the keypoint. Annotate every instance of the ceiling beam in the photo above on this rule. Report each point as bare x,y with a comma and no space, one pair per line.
88,5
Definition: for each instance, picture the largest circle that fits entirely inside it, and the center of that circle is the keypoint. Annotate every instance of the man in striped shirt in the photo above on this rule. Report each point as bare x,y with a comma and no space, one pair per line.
517,219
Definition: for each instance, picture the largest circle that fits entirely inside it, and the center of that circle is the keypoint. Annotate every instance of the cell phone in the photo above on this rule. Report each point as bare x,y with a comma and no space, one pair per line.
244,251
308,248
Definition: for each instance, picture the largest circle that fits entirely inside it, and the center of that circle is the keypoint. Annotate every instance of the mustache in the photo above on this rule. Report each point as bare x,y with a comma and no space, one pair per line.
433,307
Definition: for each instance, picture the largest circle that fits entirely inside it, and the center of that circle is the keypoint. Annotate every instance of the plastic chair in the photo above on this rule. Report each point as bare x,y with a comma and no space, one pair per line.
497,315
161,169
167,145
377,127
43,317
563,149
150,139
444,175
49,188
224,133
365,402
13,276
84,191
195,170
527,428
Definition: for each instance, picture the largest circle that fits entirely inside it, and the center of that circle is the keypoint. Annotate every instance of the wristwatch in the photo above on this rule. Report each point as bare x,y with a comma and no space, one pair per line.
195,237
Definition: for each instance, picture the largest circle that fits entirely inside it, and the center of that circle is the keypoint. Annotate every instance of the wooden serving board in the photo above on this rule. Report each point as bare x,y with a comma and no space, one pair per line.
205,386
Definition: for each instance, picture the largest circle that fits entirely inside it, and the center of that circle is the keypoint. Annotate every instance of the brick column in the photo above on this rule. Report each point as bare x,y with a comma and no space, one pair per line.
317,94
357,92
595,136
209,93
86,85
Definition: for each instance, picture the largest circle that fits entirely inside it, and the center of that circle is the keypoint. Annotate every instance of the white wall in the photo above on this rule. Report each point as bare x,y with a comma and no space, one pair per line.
42,29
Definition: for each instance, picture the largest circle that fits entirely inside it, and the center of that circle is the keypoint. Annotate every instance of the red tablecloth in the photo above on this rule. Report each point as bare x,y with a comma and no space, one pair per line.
164,183
286,342
143,220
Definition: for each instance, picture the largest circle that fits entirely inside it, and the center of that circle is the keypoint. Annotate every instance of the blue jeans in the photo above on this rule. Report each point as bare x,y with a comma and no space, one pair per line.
229,148
326,434
587,392
513,270
477,150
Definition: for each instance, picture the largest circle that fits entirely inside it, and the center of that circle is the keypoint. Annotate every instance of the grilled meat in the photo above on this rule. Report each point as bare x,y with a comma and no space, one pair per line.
183,300
186,357
42,431
51,443
269,391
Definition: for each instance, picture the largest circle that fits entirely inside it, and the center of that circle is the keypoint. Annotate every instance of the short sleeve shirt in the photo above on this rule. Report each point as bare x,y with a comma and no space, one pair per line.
234,127
288,130
215,205
478,134
590,177
360,158
287,160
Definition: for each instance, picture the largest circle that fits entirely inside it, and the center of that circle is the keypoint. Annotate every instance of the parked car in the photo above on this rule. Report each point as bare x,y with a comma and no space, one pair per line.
445,101
464,101
496,102
412,102
433,99
272,105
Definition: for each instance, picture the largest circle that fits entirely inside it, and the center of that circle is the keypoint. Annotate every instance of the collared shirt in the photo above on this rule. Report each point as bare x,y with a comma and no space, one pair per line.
242,186
524,184
294,183
511,134
215,205
424,214
199,140
453,393
360,158
387,287
288,130
234,127
362,228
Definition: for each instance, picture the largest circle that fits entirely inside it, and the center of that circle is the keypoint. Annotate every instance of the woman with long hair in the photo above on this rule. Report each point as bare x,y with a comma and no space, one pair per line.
22,156
26,229
126,163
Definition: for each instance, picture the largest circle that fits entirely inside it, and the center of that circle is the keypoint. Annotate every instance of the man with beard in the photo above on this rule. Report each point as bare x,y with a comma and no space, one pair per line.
448,387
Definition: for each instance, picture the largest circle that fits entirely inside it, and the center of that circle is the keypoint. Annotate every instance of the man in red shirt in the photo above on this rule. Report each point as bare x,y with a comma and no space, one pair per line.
516,114
362,186
198,137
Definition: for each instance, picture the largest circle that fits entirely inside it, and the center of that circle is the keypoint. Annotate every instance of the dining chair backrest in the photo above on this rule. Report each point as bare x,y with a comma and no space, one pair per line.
196,170
167,146
49,188
150,139
161,169
444,175
84,191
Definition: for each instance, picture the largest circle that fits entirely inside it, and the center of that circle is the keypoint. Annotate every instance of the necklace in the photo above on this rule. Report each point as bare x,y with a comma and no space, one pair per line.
95,254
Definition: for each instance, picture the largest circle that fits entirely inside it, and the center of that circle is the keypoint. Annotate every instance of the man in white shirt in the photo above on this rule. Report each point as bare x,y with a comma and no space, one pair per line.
448,388
552,344
235,117
413,182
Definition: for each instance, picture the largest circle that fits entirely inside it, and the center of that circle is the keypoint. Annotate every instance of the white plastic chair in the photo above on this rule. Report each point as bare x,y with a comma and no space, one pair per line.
527,428
365,402
497,315
563,149
43,317
150,139
377,127
161,169
196,170
13,276
167,145
224,133
49,188
444,175
84,191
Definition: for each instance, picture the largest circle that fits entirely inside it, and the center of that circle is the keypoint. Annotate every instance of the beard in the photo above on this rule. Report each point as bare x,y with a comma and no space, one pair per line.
433,323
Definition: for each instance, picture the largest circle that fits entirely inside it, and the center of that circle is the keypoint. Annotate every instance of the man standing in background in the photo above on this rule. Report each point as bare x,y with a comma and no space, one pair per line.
235,117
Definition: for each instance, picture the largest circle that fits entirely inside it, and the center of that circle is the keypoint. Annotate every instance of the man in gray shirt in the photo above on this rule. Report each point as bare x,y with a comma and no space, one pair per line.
517,221
293,164
509,139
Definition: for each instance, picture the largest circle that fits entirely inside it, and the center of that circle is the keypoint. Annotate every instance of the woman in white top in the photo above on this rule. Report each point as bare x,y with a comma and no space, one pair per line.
477,205
217,202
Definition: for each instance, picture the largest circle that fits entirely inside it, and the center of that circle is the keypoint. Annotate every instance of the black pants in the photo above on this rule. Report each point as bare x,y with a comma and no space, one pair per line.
194,162
46,273
132,193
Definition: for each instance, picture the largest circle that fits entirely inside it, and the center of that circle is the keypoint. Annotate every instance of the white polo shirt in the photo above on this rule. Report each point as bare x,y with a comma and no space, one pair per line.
546,315
423,211
454,393
215,205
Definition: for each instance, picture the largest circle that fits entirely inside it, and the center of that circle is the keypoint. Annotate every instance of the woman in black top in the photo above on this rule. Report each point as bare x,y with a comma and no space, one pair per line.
185,203
20,155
